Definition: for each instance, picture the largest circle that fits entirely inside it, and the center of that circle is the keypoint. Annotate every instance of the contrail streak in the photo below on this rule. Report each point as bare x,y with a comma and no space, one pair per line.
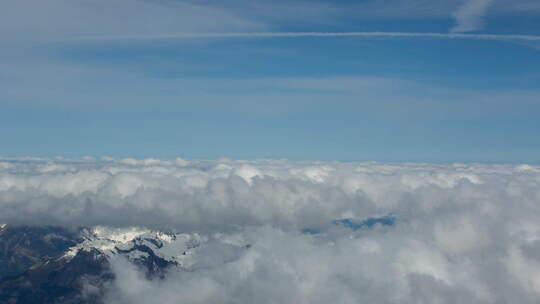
315,34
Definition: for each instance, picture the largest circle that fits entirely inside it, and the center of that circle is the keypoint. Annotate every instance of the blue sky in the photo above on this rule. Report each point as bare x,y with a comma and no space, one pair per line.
100,78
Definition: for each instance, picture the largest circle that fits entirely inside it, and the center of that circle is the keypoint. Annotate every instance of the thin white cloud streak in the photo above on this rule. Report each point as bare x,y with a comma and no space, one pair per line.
470,16
254,35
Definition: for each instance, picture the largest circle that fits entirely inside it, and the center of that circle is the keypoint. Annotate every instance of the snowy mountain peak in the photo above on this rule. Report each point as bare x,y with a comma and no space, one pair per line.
137,244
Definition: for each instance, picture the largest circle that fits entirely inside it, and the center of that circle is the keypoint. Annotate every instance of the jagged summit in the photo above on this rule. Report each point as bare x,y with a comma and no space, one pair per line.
139,244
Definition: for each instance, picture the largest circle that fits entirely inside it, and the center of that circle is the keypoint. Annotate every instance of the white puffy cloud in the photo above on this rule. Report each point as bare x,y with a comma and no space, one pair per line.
463,232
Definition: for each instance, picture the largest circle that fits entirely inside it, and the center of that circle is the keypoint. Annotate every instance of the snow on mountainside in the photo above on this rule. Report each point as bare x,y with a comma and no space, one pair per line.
51,264
137,244
156,250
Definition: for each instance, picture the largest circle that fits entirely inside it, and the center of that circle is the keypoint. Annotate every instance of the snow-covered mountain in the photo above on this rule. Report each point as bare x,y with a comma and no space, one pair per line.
53,265
57,265
138,245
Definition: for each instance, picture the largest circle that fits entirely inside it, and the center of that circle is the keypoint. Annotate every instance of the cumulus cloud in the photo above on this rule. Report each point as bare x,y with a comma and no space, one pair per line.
470,16
275,230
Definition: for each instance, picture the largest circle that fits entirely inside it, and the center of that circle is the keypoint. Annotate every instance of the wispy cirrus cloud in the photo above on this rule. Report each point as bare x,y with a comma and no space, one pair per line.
32,20
470,16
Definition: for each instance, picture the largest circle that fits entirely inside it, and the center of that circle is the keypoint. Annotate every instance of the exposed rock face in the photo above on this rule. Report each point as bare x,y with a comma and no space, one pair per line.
23,247
59,281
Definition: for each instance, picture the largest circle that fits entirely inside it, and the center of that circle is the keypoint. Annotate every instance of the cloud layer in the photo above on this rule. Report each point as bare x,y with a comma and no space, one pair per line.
463,233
